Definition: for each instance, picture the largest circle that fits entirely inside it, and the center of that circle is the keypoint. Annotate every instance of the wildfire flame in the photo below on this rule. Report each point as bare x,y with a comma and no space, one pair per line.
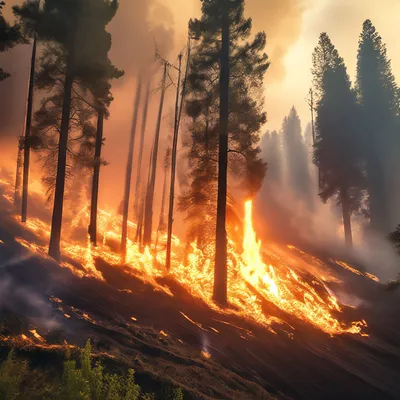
254,285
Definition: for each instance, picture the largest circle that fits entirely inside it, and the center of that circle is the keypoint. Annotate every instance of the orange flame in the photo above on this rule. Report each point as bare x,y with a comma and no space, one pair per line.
253,284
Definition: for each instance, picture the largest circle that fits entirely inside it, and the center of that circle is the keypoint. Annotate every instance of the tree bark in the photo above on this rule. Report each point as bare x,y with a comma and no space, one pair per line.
96,178
148,214
161,224
18,174
28,123
139,228
173,168
129,167
220,270
56,223
347,218
141,147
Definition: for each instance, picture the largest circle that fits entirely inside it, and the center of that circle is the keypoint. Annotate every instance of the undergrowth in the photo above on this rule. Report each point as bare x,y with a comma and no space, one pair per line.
82,380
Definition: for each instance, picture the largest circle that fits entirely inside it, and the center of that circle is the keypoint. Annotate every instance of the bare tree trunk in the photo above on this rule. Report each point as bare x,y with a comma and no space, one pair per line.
173,168
129,167
28,123
161,224
141,147
139,227
96,178
18,174
220,271
56,223
148,214
178,114
348,236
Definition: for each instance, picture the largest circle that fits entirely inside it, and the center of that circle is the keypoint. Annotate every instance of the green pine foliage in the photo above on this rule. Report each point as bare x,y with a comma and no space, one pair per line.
248,65
83,381
12,373
85,55
379,97
336,150
10,35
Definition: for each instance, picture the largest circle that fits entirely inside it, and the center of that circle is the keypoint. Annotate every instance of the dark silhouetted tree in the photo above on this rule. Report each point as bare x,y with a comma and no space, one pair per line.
225,105
77,29
148,213
28,125
97,162
162,226
129,167
138,184
379,99
337,148
178,112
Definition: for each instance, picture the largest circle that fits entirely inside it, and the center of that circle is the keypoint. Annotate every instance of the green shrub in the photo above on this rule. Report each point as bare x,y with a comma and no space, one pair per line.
12,372
86,382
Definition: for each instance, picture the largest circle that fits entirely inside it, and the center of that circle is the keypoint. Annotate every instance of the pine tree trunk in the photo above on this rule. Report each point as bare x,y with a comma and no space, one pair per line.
56,223
28,123
148,214
220,271
173,170
18,174
96,178
141,147
347,219
139,228
161,224
129,167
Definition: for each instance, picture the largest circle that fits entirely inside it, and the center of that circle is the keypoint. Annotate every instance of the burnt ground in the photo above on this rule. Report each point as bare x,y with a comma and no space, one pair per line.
247,361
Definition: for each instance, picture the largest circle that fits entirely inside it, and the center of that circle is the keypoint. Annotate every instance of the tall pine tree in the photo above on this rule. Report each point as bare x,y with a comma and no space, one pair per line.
224,103
337,148
379,98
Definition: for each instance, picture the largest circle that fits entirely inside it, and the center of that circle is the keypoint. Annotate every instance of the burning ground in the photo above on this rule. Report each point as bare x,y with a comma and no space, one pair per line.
299,326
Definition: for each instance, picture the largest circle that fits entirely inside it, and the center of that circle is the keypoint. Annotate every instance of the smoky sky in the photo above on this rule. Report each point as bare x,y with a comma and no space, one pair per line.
136,29
282,22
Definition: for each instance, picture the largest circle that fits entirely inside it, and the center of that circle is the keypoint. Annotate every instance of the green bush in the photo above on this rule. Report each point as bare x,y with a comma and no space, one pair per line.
86,382
12,372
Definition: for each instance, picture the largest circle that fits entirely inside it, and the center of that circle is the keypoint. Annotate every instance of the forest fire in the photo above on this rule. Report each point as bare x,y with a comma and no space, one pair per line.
253,284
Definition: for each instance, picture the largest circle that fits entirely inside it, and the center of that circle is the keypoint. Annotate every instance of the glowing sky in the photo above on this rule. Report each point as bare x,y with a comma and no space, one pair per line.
293,27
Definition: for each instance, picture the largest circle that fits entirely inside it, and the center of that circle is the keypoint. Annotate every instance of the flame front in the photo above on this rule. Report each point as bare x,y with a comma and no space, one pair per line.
253,284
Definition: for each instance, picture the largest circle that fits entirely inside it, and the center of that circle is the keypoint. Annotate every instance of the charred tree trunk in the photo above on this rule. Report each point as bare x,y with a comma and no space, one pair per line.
141,147
148,214
161,224
96,178
129,167
220,271
347,218
56,223
139,228
173,168
18,174
28,123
